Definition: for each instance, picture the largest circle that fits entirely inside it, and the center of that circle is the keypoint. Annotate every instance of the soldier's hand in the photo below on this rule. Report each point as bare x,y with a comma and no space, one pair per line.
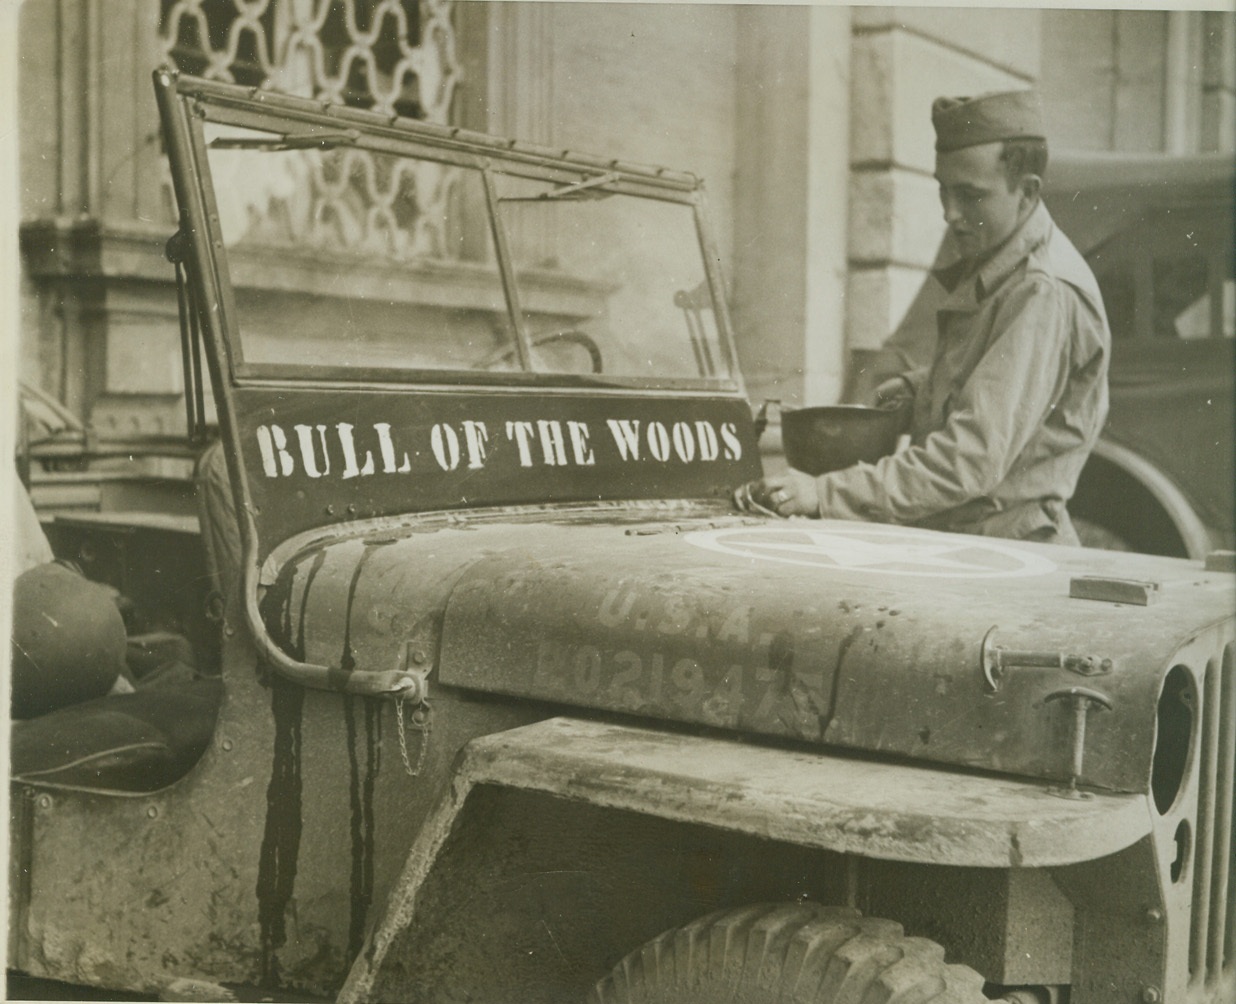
792,493
894,393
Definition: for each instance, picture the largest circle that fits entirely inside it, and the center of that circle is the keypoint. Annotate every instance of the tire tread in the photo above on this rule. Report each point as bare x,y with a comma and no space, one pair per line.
788,953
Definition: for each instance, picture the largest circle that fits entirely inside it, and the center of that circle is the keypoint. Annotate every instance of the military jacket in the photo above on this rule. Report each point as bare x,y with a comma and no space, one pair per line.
1010,408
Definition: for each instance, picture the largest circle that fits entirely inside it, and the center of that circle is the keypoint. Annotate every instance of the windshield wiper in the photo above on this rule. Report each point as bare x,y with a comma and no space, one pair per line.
579,190
289,141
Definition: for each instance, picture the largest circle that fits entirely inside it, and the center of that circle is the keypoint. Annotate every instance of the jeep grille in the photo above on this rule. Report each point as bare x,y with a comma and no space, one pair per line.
1214,928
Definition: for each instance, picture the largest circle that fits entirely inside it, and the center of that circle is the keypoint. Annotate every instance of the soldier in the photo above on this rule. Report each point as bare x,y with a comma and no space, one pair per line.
1003,420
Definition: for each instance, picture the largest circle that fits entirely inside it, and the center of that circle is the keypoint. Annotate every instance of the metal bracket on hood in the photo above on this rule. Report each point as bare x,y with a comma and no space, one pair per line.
1082,700
997,660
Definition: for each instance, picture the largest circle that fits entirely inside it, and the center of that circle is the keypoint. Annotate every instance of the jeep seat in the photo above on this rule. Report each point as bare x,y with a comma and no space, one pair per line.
137,742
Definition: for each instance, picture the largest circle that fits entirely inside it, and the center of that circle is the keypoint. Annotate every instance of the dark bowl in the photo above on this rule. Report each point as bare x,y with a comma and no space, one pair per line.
819,440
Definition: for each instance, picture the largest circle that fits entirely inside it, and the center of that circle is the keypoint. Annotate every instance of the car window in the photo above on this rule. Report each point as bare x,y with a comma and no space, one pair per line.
1208,314
1169,276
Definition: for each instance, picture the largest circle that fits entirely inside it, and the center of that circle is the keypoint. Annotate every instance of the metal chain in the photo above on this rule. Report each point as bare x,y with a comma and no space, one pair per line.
421,727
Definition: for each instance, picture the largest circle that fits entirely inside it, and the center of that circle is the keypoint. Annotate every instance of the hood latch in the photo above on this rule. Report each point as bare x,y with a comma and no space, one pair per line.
997,660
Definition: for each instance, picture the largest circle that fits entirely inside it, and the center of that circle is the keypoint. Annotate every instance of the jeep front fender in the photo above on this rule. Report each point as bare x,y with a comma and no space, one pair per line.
879,810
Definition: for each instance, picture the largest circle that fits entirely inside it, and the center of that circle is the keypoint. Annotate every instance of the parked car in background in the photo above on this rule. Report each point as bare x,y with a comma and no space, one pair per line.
1158,233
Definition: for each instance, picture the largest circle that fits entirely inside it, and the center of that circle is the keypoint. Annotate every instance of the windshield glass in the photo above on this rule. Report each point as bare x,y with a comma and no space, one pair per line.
354,258
346,258
636,315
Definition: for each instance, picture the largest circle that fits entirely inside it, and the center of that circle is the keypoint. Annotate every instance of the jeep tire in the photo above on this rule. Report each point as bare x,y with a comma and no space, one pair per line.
782,952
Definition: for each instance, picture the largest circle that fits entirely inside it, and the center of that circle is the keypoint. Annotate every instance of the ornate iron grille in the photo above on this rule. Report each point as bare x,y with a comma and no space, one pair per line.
391,56
369,205
394,56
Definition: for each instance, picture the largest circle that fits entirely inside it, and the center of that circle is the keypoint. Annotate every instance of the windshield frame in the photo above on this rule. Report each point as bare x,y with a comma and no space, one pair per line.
307,123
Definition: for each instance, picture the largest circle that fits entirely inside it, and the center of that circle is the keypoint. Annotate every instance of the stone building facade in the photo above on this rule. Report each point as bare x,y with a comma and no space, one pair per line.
809,123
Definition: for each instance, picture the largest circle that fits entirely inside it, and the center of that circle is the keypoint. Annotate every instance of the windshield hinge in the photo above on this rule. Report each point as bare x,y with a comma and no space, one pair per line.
178,251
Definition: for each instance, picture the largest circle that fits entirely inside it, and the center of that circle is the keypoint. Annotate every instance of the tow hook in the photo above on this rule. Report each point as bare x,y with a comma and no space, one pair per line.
1083,701
997,660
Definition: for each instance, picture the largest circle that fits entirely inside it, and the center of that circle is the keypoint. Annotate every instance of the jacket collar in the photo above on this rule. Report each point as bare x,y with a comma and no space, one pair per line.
1024,241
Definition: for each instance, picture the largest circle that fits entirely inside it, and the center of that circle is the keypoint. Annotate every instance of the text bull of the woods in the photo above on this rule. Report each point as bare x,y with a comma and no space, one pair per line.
343,450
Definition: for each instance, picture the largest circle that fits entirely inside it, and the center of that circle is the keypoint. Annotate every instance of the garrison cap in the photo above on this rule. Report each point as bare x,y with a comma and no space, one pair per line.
988,118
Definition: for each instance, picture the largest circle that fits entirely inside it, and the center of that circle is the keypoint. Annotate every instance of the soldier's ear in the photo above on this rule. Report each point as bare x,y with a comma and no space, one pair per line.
1031,185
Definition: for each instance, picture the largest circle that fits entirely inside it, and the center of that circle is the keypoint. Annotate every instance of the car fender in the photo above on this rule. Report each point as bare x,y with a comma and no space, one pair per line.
880,810
1164,492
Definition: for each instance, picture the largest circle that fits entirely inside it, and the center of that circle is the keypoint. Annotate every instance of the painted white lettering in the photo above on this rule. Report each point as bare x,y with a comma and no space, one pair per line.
624,684
553,446
587,669
733,447
308,455
737,626
768,676
684,442
657,678
476,436
615,607
350,470
386,447
731,686
445,445
581,449
762,650
706,436
521,434
273,446
658,441
675,616
688,677
626,436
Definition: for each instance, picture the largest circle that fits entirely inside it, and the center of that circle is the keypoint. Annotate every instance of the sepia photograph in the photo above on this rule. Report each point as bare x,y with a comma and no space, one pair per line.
637,503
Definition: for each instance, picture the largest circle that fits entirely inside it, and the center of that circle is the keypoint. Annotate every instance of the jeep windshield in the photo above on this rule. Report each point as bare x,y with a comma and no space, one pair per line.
357,255
400,317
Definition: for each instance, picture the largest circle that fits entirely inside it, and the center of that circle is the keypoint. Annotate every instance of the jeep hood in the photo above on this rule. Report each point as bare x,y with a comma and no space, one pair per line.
828,633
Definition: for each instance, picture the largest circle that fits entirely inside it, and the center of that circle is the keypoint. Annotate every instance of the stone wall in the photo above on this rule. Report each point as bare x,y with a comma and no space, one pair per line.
1140,81
903,59
97,301
790,204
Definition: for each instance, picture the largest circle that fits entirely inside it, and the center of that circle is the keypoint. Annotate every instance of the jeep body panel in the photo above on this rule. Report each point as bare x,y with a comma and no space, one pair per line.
819,631
510,689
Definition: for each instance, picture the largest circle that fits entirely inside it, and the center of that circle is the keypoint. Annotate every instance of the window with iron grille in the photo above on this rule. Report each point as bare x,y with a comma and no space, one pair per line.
393,56
396,57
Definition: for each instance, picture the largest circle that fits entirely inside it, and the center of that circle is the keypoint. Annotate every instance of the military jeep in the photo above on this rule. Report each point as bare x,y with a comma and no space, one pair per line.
514,706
